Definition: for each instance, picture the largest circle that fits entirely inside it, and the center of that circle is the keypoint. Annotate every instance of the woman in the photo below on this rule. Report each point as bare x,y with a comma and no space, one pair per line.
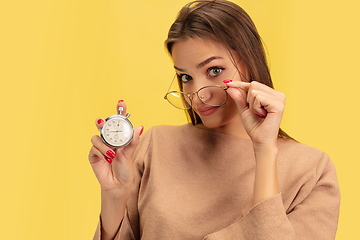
232,173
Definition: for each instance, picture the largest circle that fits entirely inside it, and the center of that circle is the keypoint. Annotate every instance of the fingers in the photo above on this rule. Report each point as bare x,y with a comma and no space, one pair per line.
101,150
122,104
95,155
130,149
257,97
256,104
239,98
100,121
238,91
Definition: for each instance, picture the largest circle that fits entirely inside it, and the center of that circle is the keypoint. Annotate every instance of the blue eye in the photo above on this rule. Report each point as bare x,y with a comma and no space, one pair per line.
215,71
184,78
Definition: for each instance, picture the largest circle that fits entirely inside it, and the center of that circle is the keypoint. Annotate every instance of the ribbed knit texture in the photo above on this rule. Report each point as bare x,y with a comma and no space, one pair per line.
196,184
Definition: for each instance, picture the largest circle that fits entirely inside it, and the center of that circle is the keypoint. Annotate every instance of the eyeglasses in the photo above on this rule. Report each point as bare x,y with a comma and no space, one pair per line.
214,96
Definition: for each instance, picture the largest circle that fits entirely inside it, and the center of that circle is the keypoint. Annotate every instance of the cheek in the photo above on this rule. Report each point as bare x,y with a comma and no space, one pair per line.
187,88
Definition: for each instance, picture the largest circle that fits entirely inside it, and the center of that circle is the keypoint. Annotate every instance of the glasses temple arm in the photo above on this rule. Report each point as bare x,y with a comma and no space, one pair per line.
171,84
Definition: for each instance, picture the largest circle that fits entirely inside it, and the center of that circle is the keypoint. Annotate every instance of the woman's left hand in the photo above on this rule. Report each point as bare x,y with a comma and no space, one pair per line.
261,109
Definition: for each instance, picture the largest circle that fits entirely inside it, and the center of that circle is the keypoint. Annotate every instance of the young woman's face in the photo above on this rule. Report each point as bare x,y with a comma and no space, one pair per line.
200,63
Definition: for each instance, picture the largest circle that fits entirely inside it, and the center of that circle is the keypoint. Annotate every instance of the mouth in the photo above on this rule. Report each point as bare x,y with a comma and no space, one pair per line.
204,111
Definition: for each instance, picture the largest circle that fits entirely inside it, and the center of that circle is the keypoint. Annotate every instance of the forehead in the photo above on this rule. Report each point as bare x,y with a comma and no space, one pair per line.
192,51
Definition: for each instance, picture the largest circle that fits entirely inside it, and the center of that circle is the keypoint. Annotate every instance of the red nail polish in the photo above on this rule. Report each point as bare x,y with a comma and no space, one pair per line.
120,101
142,129
108,159
227,81
110,153
99,121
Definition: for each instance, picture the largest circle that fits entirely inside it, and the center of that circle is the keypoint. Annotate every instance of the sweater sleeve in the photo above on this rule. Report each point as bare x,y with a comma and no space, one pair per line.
129,228
313,213
124,232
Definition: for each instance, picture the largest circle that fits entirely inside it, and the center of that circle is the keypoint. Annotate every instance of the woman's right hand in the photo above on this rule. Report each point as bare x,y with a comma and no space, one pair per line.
114,167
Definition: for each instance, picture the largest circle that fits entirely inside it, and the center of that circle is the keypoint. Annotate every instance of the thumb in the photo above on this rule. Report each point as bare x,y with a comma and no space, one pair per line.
130,149
239,96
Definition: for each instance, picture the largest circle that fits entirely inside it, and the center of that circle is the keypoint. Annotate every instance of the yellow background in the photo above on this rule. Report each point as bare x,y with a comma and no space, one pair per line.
64,63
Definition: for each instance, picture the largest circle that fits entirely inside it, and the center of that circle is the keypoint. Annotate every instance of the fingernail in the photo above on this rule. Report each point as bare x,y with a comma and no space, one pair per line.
227,81
108,159
110,153
120,101
142,129
99,121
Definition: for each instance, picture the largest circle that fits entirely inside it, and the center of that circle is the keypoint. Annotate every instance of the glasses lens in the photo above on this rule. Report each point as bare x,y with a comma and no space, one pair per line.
213,95
178,100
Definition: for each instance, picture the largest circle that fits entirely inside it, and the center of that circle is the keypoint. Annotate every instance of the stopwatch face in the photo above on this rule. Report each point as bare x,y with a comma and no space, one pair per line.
117,132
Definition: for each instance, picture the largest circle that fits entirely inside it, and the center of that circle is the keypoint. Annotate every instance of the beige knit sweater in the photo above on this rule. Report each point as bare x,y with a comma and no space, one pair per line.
196,184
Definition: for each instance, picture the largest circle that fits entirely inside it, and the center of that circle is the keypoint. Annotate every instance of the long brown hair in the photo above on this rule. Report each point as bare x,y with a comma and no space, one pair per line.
227,23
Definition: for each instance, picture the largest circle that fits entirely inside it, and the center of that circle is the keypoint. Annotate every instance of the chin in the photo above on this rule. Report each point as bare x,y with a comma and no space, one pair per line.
221,117
218,121
212,123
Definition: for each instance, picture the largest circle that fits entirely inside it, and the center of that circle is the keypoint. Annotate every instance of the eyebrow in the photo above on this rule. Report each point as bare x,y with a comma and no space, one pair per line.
202,64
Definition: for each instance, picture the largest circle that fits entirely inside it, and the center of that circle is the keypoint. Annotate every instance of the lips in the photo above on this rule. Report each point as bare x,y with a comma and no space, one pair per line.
204,111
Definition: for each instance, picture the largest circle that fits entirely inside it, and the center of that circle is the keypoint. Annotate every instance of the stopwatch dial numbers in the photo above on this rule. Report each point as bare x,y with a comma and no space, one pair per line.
114,125
117,132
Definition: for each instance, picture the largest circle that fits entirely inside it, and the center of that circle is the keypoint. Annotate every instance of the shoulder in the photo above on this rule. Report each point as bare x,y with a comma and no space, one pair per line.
296,159
299,161
297,153
166,133
168,129
162,136
306,173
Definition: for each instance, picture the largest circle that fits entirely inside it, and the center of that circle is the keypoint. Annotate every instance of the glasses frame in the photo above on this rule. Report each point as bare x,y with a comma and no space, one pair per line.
189,95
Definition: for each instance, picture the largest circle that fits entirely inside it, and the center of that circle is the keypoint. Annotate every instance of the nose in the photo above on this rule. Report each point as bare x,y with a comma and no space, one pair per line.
194,98
198,84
